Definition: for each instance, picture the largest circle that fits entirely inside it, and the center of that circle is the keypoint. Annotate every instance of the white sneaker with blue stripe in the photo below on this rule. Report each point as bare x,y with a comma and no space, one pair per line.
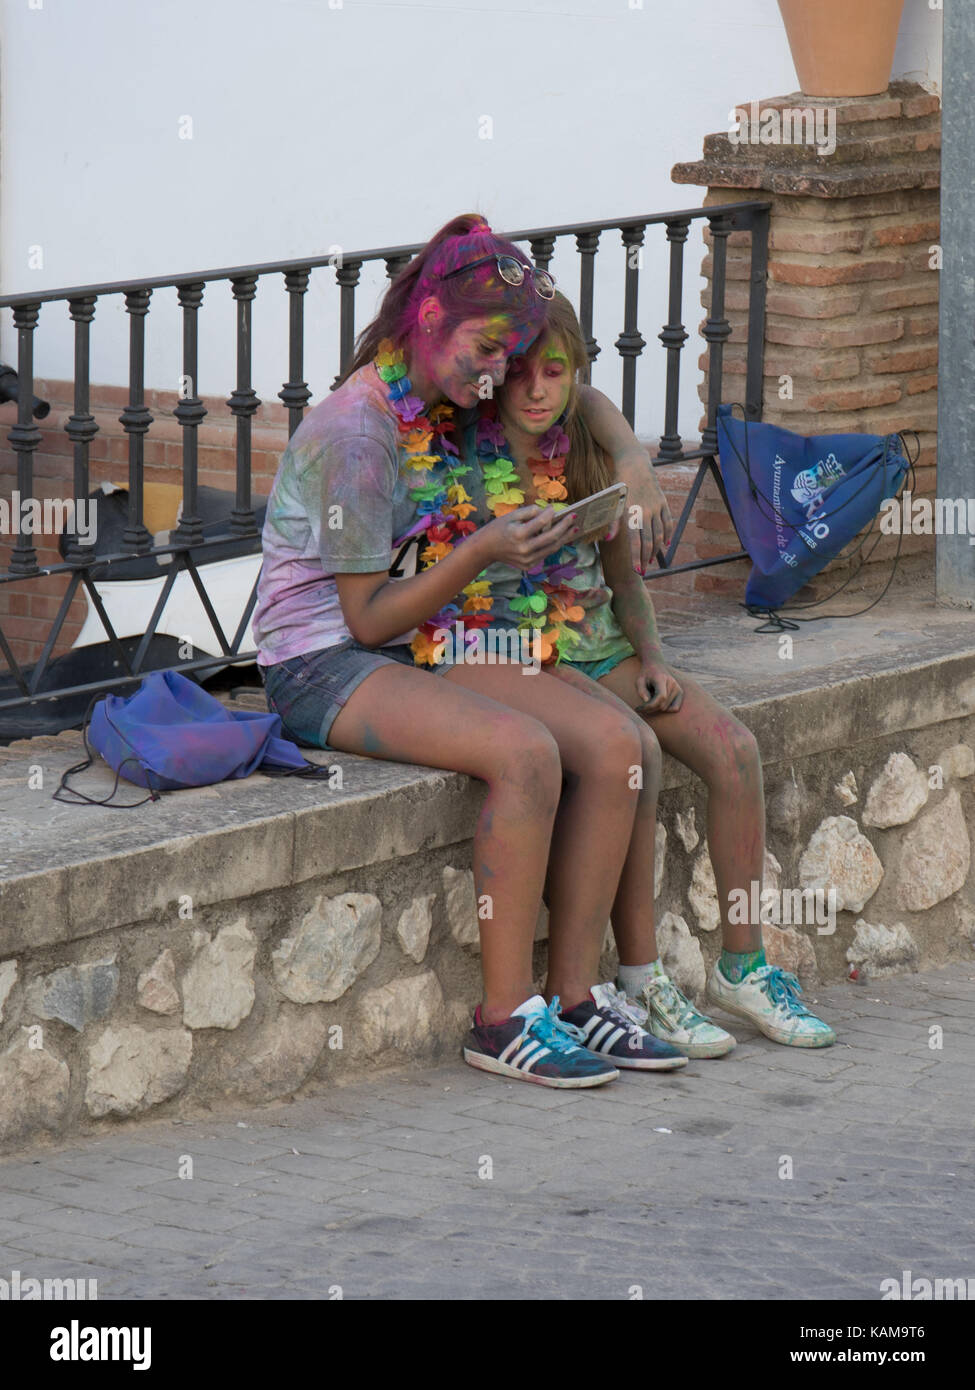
769,998
667,1013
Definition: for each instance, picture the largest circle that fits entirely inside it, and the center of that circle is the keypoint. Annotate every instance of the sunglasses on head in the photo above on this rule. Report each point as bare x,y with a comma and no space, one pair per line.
513,272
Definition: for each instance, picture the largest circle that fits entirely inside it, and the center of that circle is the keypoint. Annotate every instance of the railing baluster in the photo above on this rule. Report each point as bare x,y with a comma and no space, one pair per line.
588,244
243,402
135,420
543,249
80,426
394,264
717,329
630,343
24,436
755,378
673,338
190,412
13,667
347,277
54,631
295,392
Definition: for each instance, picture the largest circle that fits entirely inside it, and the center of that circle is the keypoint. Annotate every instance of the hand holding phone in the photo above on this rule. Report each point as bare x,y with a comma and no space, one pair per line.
599,513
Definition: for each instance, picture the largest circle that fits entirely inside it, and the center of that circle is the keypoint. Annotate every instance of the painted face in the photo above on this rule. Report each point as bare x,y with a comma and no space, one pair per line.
536,390
476,350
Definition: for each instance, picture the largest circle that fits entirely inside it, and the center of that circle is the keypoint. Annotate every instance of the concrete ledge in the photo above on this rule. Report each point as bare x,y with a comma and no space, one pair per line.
105,868
235,941
70,872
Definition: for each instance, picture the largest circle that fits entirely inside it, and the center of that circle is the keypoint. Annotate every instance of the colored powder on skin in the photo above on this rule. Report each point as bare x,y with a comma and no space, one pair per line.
372,744
551,354
506,330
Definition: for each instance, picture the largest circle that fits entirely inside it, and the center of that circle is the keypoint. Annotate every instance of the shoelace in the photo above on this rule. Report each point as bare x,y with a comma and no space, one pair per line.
630,1010
784,989
552,1030
672,999
619,1008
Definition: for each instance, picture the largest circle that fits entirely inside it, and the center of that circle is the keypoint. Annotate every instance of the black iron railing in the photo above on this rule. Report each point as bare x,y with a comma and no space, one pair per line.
189,547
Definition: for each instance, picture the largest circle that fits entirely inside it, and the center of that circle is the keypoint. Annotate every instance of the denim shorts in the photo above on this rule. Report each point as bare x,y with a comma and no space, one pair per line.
309,691
596,669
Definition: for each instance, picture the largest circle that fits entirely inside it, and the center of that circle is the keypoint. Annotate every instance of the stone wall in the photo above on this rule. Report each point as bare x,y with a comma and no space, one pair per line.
166,996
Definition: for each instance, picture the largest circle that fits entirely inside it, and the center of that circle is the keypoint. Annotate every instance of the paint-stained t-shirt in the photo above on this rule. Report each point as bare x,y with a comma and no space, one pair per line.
599,632
338,505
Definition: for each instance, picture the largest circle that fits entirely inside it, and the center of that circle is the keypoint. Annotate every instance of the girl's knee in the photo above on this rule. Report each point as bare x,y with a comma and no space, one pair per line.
528,756
652,755
617,748
739,756
745,747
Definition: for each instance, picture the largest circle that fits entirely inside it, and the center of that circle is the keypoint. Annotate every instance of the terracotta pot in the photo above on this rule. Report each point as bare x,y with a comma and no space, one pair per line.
842,48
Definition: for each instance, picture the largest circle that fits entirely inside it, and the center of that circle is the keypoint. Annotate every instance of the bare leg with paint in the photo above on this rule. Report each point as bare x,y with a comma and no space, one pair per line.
411,716
723,753
482,720
594,824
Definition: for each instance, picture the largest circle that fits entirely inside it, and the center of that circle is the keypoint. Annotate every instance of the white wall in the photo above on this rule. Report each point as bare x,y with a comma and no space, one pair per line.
358,126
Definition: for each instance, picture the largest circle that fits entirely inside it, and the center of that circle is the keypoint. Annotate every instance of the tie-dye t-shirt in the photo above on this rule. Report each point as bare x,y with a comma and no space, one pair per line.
599,632
338,505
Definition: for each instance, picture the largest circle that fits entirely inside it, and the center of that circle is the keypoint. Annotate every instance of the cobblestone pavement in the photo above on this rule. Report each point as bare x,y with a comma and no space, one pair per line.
446,1183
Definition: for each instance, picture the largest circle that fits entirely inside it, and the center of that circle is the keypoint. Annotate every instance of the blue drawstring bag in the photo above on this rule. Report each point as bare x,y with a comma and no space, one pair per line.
171,734
796,501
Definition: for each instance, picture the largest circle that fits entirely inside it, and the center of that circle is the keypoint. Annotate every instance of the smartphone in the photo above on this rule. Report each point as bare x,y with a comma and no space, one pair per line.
597,514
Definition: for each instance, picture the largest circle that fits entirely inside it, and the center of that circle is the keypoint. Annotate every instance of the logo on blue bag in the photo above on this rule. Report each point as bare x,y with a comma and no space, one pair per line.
810,487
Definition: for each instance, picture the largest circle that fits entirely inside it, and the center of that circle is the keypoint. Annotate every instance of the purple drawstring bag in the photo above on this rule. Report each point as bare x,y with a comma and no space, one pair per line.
171,734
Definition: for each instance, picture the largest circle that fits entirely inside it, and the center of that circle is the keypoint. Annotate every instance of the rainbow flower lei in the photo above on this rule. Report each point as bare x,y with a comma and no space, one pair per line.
545,600
442,500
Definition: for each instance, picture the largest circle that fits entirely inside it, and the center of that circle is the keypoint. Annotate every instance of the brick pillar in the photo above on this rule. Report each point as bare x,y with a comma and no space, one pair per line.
851,341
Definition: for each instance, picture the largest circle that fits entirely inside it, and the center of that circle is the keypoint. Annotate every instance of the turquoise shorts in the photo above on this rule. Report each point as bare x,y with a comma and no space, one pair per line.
596,669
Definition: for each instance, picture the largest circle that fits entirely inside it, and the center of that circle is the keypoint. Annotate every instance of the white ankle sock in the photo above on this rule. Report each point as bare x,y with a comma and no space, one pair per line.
535,1005
630,978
